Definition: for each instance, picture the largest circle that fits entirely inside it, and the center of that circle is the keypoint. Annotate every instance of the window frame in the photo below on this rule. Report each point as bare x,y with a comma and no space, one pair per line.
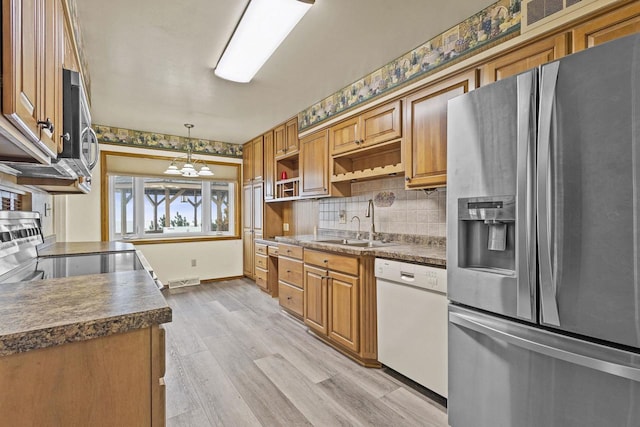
107,199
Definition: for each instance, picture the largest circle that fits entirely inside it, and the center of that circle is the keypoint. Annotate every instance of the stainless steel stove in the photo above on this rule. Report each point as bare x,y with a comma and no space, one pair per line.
20,235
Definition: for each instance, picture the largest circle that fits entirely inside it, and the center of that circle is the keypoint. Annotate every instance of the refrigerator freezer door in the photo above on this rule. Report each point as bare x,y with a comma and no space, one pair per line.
588,180
504,373
491,168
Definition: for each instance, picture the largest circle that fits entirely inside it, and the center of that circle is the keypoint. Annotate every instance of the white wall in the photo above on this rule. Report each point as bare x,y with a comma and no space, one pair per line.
79,221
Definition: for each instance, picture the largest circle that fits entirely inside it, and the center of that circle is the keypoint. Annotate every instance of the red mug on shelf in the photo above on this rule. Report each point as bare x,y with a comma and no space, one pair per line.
283,175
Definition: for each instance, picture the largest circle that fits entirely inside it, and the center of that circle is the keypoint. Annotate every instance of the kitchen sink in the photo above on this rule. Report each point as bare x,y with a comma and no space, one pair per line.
356,243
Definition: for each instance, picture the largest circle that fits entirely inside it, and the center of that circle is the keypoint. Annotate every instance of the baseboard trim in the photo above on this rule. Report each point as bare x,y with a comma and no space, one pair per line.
220,279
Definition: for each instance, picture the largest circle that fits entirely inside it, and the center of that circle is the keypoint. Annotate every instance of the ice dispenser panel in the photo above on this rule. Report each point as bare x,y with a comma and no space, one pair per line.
487,233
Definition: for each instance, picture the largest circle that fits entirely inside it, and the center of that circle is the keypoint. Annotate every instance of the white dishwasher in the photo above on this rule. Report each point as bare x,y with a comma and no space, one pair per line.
412,321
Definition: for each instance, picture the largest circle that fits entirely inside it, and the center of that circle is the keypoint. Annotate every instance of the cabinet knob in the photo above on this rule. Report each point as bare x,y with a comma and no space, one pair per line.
288,298
288,271
66,137
325,261
46,124
407,179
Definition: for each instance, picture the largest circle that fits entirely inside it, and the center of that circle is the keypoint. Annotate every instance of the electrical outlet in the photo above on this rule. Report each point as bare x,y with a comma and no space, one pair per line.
342,216
285,226
193,262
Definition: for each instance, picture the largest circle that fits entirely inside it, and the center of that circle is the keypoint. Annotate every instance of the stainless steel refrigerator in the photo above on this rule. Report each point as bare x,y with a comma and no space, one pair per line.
543,245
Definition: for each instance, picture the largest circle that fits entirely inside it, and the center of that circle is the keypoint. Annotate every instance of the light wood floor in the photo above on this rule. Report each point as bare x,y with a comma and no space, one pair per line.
234,359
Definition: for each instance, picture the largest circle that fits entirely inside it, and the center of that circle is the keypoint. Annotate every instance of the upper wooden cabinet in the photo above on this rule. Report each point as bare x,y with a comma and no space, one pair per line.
314,164
618,23
247,162
286,138
269,166
425,144
33,41
252,160
525,58
372,127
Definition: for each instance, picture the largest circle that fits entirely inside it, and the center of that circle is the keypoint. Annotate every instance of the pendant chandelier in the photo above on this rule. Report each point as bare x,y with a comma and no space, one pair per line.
188,170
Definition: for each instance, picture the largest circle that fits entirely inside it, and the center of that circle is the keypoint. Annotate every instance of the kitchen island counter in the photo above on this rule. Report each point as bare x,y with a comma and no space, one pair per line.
78,248
52,312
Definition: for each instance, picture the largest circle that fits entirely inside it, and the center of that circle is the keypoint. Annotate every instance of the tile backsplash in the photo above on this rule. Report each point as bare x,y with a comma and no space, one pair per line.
397,211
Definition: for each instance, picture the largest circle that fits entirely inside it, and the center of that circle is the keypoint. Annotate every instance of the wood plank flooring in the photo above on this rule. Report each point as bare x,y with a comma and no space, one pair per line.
234,359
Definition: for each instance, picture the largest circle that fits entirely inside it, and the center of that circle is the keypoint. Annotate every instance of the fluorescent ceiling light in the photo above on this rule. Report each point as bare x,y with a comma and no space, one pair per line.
263,26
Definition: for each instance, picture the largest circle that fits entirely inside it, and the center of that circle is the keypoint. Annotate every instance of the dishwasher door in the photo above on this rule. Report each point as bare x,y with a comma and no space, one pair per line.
412,322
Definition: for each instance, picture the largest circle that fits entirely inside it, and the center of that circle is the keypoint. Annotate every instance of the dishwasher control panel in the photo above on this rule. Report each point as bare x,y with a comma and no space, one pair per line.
420,276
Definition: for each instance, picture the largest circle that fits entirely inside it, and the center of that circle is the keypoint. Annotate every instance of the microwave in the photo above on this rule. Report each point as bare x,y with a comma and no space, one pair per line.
80,149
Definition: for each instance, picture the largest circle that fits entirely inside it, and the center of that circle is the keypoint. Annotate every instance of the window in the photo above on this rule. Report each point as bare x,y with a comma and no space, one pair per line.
154,206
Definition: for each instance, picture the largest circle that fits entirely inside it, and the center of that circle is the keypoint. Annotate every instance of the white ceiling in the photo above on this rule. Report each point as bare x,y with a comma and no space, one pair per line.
151,61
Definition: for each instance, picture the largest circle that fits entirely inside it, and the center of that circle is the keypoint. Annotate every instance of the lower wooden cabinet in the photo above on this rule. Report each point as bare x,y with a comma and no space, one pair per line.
339,303
316,299
116,380
344,309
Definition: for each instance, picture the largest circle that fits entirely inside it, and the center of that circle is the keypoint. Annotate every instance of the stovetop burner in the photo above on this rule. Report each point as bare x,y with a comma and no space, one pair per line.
74,265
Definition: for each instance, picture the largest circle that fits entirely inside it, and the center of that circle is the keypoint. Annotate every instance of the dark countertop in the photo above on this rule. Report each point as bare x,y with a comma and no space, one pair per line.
46,313
77,248
422,254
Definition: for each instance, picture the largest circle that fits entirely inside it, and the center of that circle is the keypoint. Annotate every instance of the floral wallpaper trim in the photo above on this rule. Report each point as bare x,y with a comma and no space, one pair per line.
481,30
160,141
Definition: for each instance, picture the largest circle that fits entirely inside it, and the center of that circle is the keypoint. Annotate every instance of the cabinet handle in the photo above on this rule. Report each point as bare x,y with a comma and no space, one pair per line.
46,125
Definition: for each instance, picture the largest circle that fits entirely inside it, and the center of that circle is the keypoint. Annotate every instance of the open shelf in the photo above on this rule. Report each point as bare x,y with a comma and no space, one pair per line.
287,188
374,162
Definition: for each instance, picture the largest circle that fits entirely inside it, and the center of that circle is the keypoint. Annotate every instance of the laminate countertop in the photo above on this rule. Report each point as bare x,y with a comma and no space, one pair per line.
78,248
399,251
46,313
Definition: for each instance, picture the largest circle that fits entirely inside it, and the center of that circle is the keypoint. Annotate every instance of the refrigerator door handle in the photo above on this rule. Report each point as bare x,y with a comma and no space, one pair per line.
548,301
599,362
525,191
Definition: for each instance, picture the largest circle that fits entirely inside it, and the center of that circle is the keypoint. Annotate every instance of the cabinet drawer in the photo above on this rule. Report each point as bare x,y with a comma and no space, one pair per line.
290,251
262,278
291,271
291,298
261,261
273,251
261,249
331,261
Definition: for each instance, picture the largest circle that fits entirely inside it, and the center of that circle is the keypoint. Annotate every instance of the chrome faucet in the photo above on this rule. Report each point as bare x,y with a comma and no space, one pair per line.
371,213
358,218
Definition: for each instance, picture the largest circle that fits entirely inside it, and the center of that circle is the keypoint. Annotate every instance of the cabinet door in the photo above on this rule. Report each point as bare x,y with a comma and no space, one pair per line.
247,162
248,253
381,124
247,230
23,44
525,58
257,159
618,23
269,165
280,141
52,76
257,208
291,132
314,165
344,321
426,131
315,299
345,136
